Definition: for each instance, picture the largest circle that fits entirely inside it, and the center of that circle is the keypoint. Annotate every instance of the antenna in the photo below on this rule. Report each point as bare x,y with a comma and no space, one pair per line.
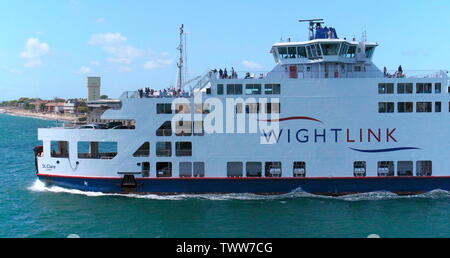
313,23
180,63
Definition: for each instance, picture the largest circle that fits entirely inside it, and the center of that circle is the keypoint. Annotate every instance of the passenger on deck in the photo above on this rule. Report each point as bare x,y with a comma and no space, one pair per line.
400,71
225,74
221,74
385,71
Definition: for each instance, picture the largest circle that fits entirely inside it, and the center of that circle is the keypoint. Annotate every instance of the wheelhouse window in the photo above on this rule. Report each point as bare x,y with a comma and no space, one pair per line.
386,107
272,89
424,88
165,129
424,168
164,169
59,149
273,169
299,169
386,168
143,151
282,51
253,89
164,108
424,107
405,88
405,107
359,169
330,49
369,51
235,169
97,150
301,52
163,149
183,149
405,168
254,169
234,89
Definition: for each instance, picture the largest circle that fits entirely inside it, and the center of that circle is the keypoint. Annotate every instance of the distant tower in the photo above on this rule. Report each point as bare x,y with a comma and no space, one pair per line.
93,85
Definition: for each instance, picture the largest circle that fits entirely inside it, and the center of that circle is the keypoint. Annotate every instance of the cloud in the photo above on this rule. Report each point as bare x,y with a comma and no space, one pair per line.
84,70
100,20
34,51
252,65
157,63
119,52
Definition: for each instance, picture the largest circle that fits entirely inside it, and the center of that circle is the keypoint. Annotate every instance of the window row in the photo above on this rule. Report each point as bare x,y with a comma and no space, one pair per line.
408,107
318,50
182,128
267,169
164,169
250,89
407,88
166,108
255,108
387,168
86,150
182,149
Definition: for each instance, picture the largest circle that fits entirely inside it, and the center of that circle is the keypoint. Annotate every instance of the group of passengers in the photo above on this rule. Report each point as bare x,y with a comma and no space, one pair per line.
151,93
398,74
223,74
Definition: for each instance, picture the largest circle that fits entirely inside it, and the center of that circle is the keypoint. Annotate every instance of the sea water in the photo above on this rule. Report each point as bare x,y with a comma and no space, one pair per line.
30,209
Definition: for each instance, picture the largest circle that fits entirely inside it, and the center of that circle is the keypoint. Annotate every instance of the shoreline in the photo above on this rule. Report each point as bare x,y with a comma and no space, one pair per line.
25,113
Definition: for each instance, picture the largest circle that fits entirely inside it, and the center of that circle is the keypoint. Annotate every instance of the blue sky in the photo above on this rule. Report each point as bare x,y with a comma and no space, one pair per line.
48,47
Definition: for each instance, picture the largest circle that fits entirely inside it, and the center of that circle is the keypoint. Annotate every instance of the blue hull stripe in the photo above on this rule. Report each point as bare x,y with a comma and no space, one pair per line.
324,186
386,150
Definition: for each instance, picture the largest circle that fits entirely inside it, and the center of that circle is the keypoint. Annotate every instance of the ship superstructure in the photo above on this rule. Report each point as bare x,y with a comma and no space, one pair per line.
326,120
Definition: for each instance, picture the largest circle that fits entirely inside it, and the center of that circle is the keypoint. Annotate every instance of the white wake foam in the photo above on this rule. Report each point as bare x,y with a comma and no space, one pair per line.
39,186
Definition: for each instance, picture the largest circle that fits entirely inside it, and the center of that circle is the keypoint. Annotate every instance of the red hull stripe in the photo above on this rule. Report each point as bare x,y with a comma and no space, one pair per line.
244,178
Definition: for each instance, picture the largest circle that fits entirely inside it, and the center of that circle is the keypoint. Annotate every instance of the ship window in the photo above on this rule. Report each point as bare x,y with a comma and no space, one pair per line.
370,51
357,68
405,168
145,169
163,149
351,52
234,89
437,88
386,88
330,49
423,88
164,169
253,89
59,149
183,128
199,129
273,169
424,107
437,107
405,88
235,169
272,89
359,169
299,169
199,169
183,149
273,108
282,51
182,109
164,108
386,107
97,150
143,151
252,108
220,89
165,129
424,168
386,168
313,51
292,52
308,49
185,169
254,169
301,52
405,107
239,108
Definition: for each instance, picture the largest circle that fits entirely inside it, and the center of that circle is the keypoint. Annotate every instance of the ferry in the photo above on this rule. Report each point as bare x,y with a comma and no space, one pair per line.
325,120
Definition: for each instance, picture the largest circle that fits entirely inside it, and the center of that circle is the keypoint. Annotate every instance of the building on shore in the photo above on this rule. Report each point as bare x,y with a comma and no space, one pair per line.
93,88
54,107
